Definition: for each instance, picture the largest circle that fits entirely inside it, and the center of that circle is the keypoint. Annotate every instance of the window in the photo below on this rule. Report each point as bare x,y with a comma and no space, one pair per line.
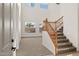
44,5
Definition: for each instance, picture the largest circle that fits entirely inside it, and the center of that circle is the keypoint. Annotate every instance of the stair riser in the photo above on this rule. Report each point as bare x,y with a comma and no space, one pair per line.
64,46
60,34
67,51
63,41
61,37
61,29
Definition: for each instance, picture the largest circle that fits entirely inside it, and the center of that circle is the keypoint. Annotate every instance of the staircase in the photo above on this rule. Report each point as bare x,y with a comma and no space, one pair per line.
62,44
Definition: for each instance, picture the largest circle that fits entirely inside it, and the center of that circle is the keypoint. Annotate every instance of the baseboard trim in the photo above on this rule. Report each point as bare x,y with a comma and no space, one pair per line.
30,36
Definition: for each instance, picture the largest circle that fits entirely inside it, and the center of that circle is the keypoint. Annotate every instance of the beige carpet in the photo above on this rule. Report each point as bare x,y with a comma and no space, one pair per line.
32,47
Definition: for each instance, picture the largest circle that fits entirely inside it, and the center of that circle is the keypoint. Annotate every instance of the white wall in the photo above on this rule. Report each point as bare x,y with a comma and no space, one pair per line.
78,26
47,42
70,13
16,25
38,15
53,12
32,14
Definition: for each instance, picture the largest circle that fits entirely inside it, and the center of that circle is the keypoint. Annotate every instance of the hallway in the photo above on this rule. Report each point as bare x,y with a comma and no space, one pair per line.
32,47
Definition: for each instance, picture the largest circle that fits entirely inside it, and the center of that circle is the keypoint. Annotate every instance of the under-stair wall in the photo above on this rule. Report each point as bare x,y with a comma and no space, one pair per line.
47,42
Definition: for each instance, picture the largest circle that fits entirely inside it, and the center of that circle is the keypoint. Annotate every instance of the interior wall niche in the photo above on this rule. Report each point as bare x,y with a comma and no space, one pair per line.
30,27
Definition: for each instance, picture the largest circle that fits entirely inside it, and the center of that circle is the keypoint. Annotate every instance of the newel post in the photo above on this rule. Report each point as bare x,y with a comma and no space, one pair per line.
45,24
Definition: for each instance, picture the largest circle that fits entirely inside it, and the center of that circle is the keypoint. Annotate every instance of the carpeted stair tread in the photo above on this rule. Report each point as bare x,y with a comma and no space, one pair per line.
62,40
66,50
62,45
61,37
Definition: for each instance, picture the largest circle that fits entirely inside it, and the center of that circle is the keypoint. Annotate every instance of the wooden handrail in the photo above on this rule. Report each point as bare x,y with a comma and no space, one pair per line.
48,26
50,29
56,22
